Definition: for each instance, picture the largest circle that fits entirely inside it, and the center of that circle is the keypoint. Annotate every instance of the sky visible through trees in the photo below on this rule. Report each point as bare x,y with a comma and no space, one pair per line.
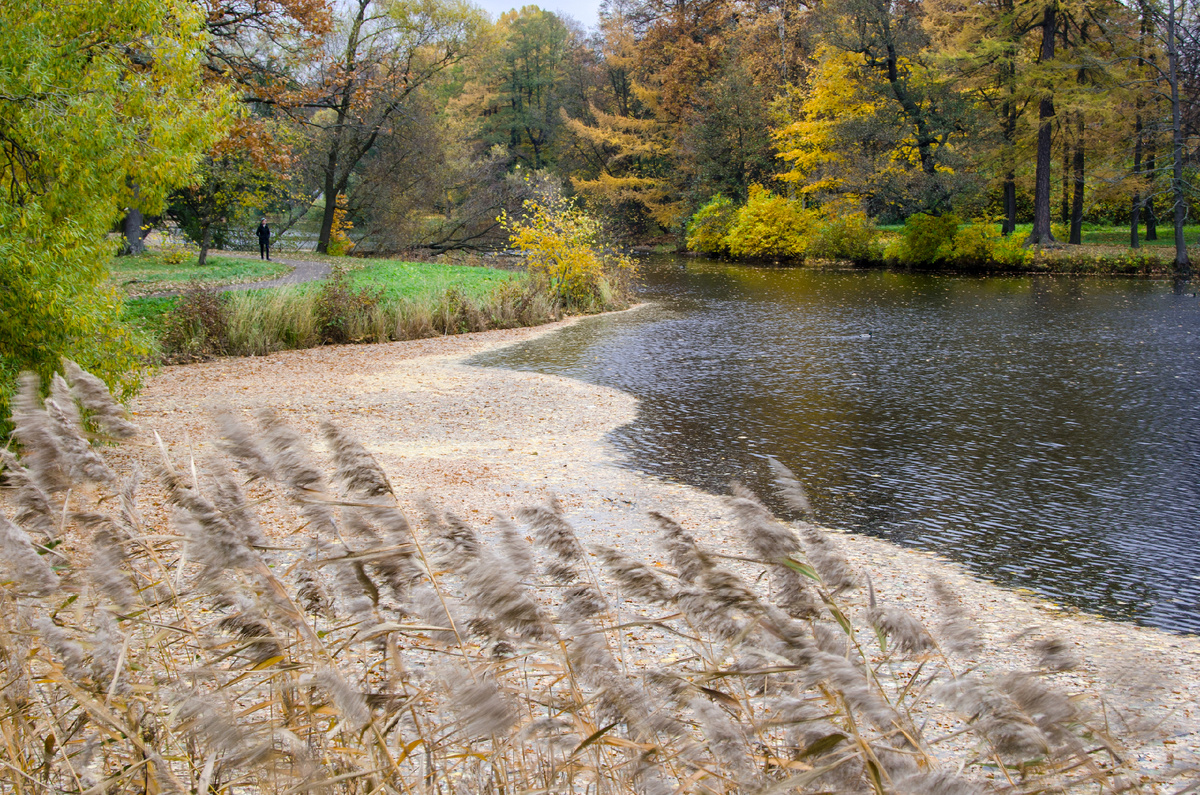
586,12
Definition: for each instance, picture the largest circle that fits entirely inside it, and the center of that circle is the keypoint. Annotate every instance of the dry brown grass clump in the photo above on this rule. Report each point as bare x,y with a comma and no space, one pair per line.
208,323
369,655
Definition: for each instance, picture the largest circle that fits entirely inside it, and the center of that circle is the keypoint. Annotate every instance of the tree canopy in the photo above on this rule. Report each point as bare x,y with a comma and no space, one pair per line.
97,101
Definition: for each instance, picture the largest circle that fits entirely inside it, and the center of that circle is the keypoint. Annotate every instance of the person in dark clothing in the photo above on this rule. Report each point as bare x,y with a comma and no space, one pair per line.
264,240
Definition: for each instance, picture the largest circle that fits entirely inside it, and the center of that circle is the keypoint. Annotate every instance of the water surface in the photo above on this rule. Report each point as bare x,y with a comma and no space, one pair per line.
1044,431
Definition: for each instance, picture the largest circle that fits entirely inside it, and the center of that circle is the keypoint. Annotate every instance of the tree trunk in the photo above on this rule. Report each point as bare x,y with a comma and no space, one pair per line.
1135,213
1135,206
1010,203
334,157
1148,207
205,244
326,233
1041,234
131,226
1010,175
1077,193
131,229
1183,266
1064,205
1008,71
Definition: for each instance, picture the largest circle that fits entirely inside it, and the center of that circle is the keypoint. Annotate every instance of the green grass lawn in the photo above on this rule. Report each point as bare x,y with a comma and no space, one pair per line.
1119,236
149,314
422,281
147,273
1095,235
396,281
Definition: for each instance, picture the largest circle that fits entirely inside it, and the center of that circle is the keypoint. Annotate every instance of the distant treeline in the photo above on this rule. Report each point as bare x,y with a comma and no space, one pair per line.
429,118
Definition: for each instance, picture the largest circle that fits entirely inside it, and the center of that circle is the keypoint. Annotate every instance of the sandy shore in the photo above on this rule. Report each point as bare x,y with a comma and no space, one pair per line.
485,442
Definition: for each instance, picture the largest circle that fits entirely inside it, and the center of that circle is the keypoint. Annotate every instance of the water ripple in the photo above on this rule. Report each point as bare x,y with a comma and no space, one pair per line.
1043,431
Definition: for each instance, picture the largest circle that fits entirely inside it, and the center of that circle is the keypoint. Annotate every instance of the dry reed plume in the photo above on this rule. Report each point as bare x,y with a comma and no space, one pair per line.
368,655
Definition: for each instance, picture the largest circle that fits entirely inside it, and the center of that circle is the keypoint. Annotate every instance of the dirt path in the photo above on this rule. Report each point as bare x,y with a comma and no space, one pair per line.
483,442
302,271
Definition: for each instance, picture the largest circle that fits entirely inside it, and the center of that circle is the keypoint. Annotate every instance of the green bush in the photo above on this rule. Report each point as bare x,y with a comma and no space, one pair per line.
927,239
843,235
974,244
769,226
707,229
1010,252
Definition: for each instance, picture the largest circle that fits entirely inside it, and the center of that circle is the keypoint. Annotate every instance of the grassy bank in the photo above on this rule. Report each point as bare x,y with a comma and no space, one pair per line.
1103,251
1107,236
154,272
365,301
775,229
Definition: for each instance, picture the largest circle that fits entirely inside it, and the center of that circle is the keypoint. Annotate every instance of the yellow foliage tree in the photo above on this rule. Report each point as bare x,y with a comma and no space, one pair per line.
875,120
340,243
633,153
629,147
808,141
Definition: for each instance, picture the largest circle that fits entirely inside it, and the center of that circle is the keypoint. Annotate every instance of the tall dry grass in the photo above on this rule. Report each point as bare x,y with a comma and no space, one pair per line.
362,652
207,323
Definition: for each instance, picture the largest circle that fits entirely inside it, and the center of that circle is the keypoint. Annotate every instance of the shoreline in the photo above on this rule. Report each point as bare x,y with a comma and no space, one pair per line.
480,442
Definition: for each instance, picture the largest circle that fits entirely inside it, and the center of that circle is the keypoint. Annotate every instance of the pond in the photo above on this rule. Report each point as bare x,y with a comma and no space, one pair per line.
1044,431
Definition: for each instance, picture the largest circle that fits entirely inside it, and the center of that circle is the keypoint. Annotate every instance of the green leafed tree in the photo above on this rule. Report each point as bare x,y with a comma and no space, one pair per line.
94,97
247,171
525,73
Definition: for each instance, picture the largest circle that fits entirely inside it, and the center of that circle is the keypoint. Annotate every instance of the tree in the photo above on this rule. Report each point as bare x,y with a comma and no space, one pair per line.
729,142
242,49
94,98
1166,106
1144,58
382,53
876,120
978,45
1182,265
623,142
634,155
525,74
246,170
1041,234
927,111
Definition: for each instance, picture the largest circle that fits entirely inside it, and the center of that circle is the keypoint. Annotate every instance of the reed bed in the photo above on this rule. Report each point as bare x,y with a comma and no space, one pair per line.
366,652
207,323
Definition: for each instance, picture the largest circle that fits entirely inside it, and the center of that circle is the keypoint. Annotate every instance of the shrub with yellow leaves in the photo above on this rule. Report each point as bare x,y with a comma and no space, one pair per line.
769,225
562,246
